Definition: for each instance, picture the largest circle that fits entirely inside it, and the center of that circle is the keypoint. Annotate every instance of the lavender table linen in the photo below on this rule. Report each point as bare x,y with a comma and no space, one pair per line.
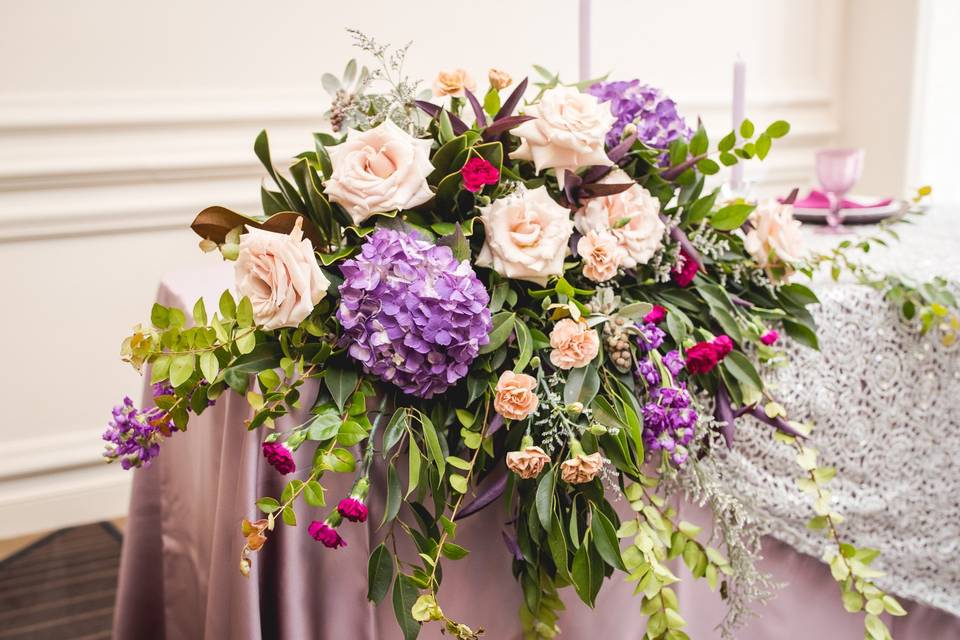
180,576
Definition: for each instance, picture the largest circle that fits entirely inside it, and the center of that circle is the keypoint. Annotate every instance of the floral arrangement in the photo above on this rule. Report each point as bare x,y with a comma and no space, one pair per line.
531,304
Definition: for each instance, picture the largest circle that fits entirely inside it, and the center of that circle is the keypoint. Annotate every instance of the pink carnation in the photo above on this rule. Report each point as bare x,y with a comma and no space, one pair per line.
656,315
324,533
770,337
353,510
279,456
684,275
477,172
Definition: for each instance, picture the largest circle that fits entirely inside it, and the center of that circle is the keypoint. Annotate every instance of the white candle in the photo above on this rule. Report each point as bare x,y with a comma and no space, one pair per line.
584,40
739,113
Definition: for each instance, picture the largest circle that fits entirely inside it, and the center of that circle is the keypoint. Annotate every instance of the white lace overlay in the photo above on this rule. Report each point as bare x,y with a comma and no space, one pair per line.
886,407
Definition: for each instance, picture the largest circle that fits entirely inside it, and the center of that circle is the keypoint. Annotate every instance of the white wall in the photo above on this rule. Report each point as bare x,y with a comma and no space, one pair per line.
120,120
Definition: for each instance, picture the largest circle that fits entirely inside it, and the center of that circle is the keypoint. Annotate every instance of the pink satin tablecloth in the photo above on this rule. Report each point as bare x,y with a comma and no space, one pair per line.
180,577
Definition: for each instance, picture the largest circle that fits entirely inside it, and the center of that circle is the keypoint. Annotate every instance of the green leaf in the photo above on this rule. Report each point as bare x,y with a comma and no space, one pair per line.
413,466
313,493
458,482
708,167
731,216
700,209
159,316
801,333
209,366
699,142
580,573
875,627
340,383
763,145
395,429
727,142
289,517
582,385
199,313
160,369
742,369
245,313
268,505
350,433
778,129
394,496
747,128
524,344
379,573
405,595
605,539
181,368
502,328
454,551
246,343
433,443
558,546
544,499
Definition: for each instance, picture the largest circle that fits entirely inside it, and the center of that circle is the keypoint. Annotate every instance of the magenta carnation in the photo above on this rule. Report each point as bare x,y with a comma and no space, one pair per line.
683,275
725,344
324,533
477,172
353,510
770,337
279,456
411,313
656,315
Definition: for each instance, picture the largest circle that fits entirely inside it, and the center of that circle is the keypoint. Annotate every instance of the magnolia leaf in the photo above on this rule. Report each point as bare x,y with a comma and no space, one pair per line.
214,223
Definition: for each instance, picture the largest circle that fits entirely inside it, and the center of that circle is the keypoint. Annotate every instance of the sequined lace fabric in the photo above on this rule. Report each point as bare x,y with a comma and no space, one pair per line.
885,403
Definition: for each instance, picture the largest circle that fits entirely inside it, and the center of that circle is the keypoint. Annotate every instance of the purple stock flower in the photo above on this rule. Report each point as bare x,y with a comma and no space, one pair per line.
648,371
651,336
673,361
669,421
133,436
656,117
411,313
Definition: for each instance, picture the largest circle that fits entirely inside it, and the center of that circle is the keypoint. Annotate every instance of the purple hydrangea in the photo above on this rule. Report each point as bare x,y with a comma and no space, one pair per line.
133,436
656,117
669,421
411,313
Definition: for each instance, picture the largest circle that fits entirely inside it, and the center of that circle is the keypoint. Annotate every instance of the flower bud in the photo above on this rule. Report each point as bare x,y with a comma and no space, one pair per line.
597,429
574,408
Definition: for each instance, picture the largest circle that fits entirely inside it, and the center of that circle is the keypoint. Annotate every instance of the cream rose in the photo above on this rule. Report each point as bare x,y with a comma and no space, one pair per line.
382,169
775,237
633,216
527,235
574,344
280,275
453,83
602,255
515,398
567,132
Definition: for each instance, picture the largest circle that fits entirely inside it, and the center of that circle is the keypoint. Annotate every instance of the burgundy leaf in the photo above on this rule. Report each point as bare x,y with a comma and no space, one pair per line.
723,412
497,421
512,545
596,173
458,125
490,493
477,109
433,110
790,199
499,126
777,423
511,103
674,172
617,153
597,190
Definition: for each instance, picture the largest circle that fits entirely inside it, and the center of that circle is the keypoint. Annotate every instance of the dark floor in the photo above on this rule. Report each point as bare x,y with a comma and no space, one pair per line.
61,586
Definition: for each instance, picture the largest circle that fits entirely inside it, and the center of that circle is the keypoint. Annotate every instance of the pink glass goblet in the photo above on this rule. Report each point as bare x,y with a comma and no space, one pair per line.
838,170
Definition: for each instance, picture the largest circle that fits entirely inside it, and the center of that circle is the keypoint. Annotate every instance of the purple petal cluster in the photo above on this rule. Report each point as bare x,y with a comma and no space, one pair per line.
669,421
656,117
411,313
133,436
651,336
